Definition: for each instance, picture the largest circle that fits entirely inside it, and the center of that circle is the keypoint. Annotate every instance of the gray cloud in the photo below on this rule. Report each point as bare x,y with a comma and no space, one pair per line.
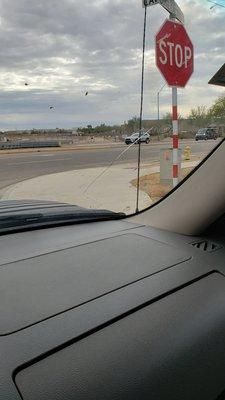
64,48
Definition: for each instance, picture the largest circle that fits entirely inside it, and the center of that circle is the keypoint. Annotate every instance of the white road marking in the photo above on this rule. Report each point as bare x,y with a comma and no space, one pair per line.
40,161
43,155
35,155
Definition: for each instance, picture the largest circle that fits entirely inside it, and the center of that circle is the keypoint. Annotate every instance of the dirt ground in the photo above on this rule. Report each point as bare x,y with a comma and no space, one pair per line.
151,185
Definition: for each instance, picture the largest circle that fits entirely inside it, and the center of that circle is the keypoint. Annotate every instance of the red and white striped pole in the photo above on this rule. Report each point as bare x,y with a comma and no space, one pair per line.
175,136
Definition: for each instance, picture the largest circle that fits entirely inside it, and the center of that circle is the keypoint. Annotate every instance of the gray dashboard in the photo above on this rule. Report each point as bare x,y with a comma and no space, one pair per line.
111,310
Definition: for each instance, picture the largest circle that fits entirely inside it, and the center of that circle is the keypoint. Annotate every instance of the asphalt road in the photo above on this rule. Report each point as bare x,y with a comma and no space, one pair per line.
20,166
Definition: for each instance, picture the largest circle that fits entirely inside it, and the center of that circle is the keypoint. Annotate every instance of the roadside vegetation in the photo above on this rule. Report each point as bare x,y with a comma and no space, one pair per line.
198,117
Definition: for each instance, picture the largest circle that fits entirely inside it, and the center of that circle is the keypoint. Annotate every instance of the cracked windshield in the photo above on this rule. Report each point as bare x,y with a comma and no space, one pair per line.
108,105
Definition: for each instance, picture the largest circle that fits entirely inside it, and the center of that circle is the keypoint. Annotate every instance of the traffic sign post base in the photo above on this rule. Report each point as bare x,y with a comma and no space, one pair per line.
166,165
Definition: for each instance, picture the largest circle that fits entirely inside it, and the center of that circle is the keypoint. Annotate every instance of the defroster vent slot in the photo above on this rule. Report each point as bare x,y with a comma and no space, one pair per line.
207,246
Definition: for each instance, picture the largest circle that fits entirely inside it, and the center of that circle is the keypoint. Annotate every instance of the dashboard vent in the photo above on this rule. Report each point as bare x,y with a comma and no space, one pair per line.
207,246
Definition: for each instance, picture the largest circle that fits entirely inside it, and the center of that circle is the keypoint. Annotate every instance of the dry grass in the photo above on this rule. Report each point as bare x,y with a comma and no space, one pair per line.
151,185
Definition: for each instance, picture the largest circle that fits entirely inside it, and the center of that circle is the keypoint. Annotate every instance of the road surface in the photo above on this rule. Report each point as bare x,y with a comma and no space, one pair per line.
20,166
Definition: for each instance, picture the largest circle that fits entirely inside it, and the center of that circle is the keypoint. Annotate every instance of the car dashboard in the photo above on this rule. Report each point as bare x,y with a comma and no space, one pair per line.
111,310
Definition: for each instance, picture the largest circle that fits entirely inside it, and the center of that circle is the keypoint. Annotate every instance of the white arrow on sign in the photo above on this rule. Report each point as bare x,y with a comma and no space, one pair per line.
170,5
147,3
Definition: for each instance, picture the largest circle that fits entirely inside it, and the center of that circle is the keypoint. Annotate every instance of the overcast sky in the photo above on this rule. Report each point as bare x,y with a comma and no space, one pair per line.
64,48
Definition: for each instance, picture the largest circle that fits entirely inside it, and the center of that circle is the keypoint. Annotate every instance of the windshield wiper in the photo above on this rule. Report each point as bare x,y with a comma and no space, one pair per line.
22,220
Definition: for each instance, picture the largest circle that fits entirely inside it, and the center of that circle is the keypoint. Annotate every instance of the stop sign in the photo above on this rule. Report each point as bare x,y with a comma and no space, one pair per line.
174,53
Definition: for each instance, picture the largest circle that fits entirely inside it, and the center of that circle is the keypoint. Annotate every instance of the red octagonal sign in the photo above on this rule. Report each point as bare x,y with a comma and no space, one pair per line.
174,53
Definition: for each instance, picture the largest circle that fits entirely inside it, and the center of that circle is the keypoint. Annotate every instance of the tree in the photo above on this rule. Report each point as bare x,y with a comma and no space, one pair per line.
218,108
167,117
198,113
133,124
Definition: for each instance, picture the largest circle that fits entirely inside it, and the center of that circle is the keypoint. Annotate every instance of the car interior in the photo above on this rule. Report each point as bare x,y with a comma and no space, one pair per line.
127,308
99,305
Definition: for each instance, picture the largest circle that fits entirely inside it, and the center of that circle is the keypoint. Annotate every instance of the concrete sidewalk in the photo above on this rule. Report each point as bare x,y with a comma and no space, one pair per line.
91,187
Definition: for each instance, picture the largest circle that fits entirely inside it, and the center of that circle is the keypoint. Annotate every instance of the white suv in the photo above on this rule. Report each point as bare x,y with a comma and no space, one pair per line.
134,138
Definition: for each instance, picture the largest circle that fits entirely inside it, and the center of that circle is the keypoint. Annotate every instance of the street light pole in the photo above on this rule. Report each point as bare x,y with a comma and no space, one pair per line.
158,105
158,111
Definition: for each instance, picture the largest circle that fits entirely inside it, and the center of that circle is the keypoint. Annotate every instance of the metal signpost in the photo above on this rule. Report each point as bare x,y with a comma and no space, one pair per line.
174,59
180,55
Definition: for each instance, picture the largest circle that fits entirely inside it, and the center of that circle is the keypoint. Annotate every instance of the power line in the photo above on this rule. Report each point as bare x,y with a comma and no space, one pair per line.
215,4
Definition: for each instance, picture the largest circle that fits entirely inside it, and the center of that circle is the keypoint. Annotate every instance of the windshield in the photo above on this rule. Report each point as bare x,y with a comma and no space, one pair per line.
202,131
89,114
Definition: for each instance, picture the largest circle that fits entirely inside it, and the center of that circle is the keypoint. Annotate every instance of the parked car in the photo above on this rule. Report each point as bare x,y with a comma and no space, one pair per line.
205,134
134,138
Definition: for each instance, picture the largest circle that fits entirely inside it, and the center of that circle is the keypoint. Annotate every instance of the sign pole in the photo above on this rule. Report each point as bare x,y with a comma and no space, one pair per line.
175,136
175,139
175,60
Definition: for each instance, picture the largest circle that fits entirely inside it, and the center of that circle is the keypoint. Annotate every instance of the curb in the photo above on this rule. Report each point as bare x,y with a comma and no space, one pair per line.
75,148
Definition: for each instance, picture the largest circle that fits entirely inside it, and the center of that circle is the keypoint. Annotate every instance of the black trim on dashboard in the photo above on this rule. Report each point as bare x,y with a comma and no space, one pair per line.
221,396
